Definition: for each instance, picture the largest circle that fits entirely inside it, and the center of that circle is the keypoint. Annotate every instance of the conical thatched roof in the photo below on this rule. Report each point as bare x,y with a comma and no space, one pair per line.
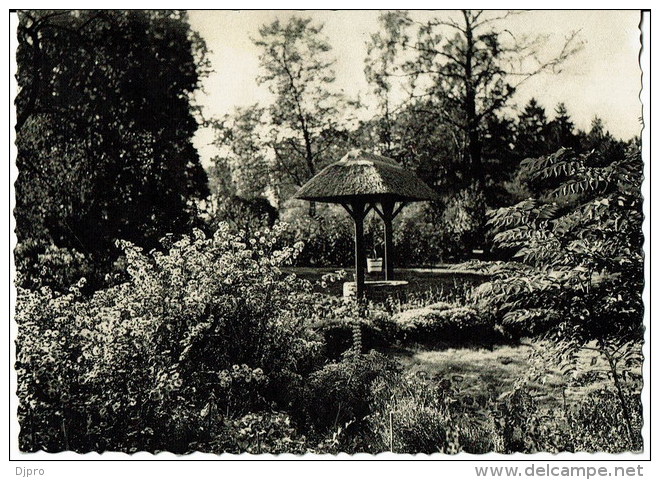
367,175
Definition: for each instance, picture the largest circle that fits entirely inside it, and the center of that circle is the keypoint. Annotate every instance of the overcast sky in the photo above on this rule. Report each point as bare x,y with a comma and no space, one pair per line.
603,78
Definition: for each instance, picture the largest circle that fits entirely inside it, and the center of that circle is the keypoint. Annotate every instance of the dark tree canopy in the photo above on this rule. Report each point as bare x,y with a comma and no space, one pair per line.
104,127
533,131
600,140
562,129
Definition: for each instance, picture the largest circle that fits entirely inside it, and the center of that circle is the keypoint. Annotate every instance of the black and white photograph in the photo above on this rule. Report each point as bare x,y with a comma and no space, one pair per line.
321,233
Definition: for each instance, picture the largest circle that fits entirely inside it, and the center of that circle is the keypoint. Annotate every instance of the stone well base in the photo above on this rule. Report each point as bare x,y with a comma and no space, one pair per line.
377,289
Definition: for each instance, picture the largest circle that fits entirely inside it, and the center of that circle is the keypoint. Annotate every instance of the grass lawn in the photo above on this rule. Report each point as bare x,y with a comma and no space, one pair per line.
480,369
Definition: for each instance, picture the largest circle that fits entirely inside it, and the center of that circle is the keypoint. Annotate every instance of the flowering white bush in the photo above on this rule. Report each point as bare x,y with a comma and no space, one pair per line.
126,367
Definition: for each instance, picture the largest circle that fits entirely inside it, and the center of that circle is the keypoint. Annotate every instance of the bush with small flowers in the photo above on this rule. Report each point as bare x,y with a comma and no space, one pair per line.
122,369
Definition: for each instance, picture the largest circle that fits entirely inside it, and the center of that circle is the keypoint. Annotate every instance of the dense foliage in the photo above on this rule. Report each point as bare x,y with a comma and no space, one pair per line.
578,248
104,130
211,323
579,272
423,414
210,346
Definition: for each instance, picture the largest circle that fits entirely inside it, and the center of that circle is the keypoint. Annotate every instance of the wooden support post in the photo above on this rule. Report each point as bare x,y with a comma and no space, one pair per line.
388,210
399,208
360,254
388,213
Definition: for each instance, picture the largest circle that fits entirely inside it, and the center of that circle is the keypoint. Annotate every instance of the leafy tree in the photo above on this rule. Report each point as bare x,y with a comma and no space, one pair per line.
104,127
583,234
465,66
380,68
289,139
243,166
597,132
427,147
581,263
500,159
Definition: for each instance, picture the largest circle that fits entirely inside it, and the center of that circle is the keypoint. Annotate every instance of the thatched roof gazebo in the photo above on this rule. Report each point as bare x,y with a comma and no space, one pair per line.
362,181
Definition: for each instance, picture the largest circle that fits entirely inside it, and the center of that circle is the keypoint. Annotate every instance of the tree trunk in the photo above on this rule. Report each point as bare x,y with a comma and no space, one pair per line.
388,215
360,256
472,123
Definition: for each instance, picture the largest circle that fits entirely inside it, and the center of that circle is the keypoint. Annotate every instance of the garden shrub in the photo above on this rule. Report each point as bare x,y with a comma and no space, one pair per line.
418,233
444,322
419,428
418,414
414,413
521,425
336,320
327,237
124,368
594,423
387,330
598,423
578,250
449,229
464,220
46,265
256,433
340,392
